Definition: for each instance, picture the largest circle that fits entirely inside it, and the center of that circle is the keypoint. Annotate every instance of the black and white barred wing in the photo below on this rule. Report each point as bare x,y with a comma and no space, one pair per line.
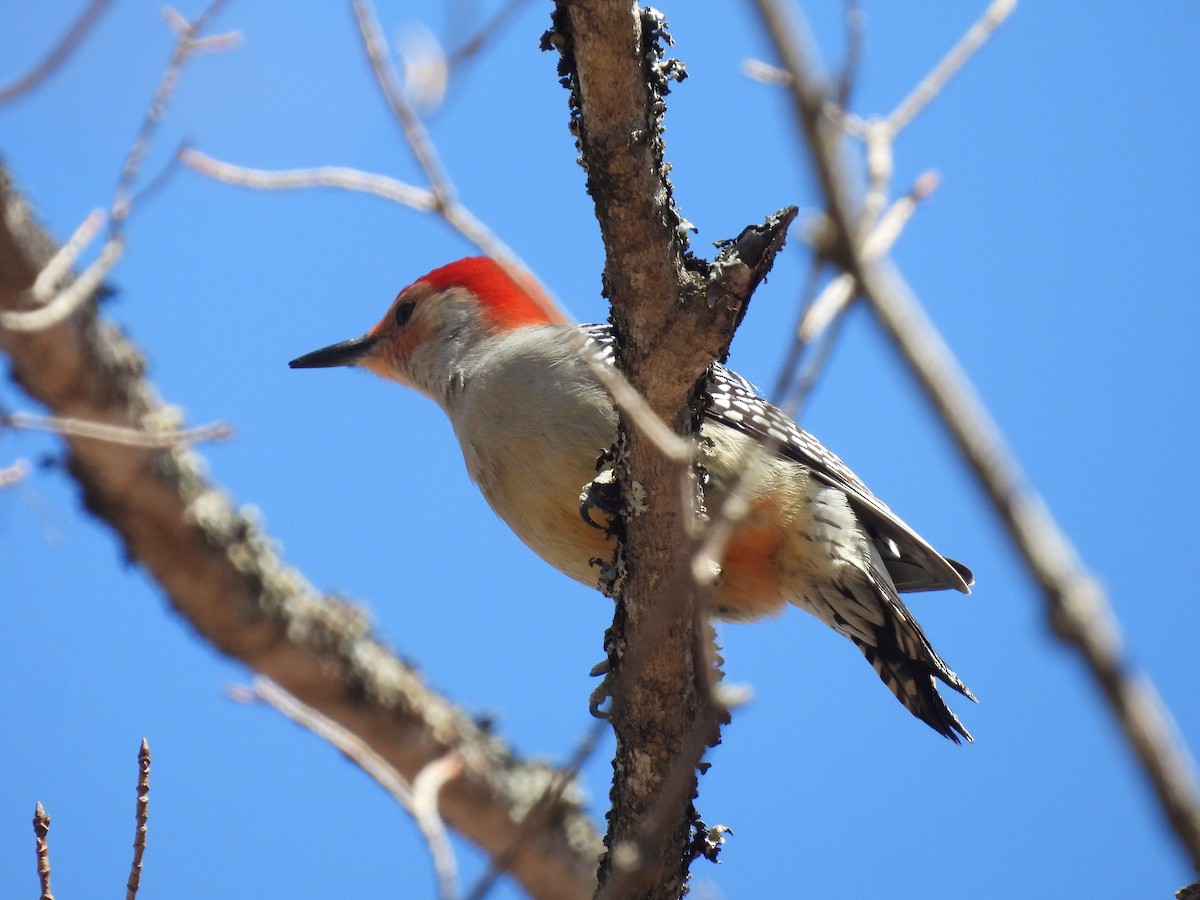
913,564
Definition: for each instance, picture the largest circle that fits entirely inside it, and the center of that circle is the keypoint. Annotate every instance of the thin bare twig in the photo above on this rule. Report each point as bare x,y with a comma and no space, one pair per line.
50,309
444,197
853,57
58,55
354,747
14,474
839,292
880,133
440,197
423,809
425,789
158,180
187,43
487,32
807,378
1075,603
808,296
414,131
757,70
41,829
340,177
117,434
143,815
54,308
976,36
67,301
891,223
566,776
63,260
880,166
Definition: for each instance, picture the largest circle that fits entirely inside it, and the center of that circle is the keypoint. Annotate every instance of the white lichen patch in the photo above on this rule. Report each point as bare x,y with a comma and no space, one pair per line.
635,499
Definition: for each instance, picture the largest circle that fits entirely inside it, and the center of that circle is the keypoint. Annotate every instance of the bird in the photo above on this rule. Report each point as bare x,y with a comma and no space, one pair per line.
532,419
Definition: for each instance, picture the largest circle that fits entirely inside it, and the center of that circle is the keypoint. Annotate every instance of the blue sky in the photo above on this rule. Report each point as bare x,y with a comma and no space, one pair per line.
1059,256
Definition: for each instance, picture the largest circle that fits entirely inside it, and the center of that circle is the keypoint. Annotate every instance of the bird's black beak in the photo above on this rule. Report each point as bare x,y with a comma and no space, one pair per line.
347,353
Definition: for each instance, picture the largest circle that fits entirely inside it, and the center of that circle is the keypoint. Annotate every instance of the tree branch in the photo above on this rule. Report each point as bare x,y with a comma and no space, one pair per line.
56,57
142,815
41,832
1075,603
425,811
218,570
673,315
608,57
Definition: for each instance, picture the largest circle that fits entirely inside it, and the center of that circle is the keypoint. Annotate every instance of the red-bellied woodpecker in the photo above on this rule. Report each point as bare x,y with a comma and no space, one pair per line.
532,419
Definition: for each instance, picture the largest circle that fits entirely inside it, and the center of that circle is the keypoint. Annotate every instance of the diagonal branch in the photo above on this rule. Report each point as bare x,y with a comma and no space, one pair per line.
56,57
418,798
414,130
218,569
187,42
1075,603
929,87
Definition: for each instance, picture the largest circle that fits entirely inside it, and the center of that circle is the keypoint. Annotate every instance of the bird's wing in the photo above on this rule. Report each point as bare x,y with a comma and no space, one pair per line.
913,564
733,401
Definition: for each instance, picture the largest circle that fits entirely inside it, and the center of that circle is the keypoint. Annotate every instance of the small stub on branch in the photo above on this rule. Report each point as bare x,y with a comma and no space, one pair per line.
744,261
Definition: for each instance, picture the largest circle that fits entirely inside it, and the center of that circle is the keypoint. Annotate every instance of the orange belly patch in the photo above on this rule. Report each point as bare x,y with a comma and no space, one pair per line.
749,586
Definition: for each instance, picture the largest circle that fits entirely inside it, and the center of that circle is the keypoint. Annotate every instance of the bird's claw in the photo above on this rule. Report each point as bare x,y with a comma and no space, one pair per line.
600,493
600,695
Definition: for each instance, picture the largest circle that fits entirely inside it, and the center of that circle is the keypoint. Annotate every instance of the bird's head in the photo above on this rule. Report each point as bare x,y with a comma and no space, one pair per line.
436,321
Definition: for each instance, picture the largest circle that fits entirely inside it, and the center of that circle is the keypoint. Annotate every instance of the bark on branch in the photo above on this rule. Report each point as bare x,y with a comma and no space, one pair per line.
674,315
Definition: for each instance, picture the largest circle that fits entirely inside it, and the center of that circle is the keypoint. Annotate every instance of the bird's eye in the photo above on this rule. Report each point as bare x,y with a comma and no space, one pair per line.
404,312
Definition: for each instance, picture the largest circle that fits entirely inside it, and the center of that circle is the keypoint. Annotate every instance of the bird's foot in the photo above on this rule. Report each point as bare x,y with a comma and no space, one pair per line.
601,695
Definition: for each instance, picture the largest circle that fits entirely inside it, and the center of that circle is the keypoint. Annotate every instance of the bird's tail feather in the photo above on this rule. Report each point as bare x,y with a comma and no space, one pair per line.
912,681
